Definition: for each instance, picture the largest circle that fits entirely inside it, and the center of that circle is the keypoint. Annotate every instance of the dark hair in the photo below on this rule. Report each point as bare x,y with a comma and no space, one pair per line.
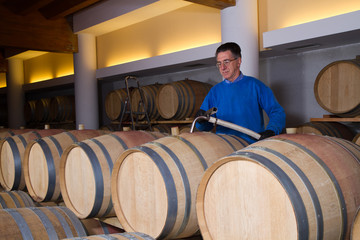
233,47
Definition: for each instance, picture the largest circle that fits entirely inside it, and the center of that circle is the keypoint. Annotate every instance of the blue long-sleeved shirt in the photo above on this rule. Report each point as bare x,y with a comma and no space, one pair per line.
241,102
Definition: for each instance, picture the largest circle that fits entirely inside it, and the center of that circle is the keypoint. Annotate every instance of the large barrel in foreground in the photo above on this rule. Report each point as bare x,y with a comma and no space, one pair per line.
89,164
39,223
12,151
153,186
42,162
295,186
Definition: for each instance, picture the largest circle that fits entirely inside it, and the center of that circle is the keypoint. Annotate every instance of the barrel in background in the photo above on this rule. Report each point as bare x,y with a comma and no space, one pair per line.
149,97
182,99
62,108
337,88
332,129
15,199
115,104
295,186
153,186
89,164
39,223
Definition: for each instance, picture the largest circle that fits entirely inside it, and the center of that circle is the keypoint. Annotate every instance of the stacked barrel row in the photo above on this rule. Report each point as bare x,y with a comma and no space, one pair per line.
34,157
56,110
174,101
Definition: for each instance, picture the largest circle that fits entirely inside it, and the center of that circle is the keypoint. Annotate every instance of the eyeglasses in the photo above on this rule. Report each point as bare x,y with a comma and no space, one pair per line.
226,62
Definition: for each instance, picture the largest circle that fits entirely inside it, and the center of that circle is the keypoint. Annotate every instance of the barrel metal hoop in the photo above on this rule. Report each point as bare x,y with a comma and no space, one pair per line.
16,201
333,179
99,182
191,105
74,220
21,223
71,136
26,198
62,221
17,163
123,144
51,169
46,222
37,134
57,145
2,202
227,141
170,189
186,185
110,165
290,188
143,235
127,235
181,103
22,139
307,183
196,151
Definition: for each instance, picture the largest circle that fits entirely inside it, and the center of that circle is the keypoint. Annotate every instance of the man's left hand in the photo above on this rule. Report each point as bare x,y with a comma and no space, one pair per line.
266,134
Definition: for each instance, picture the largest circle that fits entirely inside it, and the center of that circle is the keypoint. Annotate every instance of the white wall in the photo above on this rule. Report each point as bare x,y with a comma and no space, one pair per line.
292,79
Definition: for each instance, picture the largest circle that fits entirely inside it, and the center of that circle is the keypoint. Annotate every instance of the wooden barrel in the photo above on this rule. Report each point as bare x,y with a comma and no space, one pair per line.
13,132
91,195
332,129
29,111
181,99
115,104
121,236
337,88
356,139
42,110
39,223
355,228
149,94
295,186
153,186
163,128
42,162
15,199
12,151
62,108
94,226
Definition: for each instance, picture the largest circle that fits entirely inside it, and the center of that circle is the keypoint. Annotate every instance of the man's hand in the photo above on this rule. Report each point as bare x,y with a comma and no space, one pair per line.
201,113
266,134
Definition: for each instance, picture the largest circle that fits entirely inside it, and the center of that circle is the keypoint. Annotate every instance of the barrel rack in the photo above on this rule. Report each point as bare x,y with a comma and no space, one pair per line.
334,118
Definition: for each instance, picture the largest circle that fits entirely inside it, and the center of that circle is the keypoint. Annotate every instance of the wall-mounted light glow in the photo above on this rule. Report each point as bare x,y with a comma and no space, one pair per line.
2,80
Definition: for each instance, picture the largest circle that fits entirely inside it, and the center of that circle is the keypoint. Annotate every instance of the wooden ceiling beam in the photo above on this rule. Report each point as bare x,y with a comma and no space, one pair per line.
219,4
34,32
61,8
23,7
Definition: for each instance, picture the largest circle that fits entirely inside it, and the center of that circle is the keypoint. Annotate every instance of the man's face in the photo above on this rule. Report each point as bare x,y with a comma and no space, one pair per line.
229,66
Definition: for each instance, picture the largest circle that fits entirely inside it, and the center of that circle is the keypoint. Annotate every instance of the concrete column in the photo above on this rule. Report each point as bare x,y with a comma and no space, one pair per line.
15,93
240,24
86,92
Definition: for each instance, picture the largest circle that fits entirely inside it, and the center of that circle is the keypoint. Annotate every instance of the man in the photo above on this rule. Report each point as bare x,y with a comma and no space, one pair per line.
241,99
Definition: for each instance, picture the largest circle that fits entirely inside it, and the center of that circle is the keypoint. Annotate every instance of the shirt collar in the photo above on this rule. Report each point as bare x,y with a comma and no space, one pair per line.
236,80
